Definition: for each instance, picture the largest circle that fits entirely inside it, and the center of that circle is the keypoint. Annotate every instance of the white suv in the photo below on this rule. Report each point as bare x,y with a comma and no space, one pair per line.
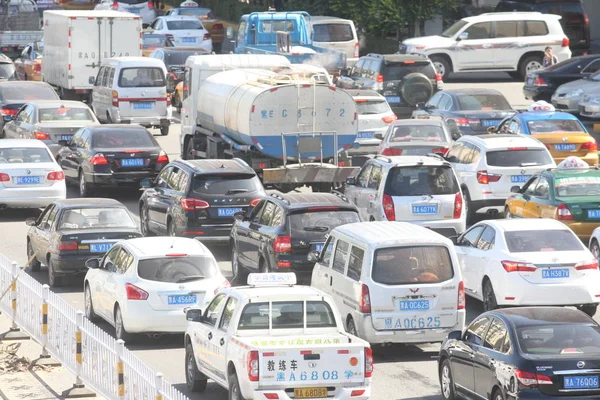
422,190
512,42
489,165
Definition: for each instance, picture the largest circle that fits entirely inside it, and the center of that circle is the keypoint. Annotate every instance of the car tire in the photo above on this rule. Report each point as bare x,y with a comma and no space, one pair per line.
351,327
175,100
416,88
164,130
467,204
217,47
120,331
489,297
442,66
528,64
498,395
89,306
144,221
508,214
108,118
34,264
589,309
54,280
171,229
239,273
234,388
595,249
446,381
263,268
85,188
194,379
189,147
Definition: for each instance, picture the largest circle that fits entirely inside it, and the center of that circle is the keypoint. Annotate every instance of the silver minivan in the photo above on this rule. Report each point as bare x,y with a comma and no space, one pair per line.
133,90
338,34
393,282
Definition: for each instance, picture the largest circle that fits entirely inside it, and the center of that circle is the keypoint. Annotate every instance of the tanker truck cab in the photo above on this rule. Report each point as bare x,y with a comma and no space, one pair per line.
274,339
132,90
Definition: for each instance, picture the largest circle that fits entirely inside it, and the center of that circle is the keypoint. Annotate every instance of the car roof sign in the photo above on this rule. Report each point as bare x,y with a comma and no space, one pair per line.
189,3
542,106
272,279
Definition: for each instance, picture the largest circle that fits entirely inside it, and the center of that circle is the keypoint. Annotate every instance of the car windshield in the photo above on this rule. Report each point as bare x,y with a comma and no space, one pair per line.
184,25
59,114
202,13
91,218
226,184
320,221
397,71
572,186
482,102
177,58
142,77
421,181
372,107
568,339
555,126
454,28
19,92
518,158
177,269
410,265
7,71
417,133
533,241
287,315
18,155
332,32
115,139
156,42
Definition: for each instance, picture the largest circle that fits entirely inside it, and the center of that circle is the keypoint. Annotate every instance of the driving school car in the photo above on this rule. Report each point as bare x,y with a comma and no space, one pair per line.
275,340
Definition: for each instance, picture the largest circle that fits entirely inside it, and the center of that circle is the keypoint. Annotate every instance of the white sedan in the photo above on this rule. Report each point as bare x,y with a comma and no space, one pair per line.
525,262
29,175
142,285
184,31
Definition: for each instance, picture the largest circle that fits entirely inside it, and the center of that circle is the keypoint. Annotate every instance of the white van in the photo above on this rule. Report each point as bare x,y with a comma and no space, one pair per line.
393,282
133,90
338,34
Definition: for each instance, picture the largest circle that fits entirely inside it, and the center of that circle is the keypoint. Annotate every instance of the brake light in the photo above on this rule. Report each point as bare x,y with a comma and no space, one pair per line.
484,177
253,366
8,111
563,213
388,119
254,202
539,81
438,77
115,98
271,396
282,244
41,135
99,159
365,300
565,42
356,50
531,378
590,146
169,99
225,284
206,36
442,150
115,6
150,5
368,362
194,204
56,176
462,121
458,205
586,19
169,36
388,207
176,255
391,152
582,266
462,300
218,26
379,78
163,158
68,245
135,293
515,266
37,68
4,177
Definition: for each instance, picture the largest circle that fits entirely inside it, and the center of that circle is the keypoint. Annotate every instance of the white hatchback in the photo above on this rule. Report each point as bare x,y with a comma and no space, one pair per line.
184,31
143,285
517,262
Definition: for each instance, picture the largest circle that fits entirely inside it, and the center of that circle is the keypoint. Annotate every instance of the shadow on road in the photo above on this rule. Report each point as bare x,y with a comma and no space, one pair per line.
475,77
404,353
18,214
431,397
212,392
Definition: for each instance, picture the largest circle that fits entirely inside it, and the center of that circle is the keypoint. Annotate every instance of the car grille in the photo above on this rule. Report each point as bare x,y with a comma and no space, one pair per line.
402,49
561,106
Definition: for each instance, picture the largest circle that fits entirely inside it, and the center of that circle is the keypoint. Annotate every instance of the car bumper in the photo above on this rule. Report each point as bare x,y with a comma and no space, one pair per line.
70,264
544,294
537,93
589,110
446,227
32,197
568,104
339,394
536,394
147,121
139,317
488,203
118,178
214,233
583,230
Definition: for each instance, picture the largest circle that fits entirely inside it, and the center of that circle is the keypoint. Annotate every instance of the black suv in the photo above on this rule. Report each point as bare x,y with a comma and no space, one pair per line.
198,198
574,19
404,79
280,232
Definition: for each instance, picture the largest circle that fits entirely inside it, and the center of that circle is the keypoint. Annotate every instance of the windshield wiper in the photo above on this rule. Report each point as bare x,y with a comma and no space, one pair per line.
234,191
316,228
190,278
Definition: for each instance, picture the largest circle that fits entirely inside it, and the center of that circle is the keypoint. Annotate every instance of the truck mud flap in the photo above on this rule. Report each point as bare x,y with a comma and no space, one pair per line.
307,173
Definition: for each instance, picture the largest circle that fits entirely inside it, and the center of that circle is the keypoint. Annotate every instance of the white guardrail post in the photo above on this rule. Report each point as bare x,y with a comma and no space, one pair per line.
158,384
119,347
45,358
14,333
78,390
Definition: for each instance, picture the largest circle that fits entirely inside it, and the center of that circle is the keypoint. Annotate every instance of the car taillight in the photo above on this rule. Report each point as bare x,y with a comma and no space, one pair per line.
388,119
388,207
163,158
169,36
169,99
438,77
565,42
56,176
466,122
8,111
225,284
391,152
67,245
461,303
99,159
539,81
586,19
531,378
365,300
484,177
37,68
41,135
368,362
379,78
441,150
218,26
592,264
590,146
115,98
515,266
150,5
253,366
458,205
282,244
4,177
254,202
135,293
563,213
194,204
356,50
115,6
206,36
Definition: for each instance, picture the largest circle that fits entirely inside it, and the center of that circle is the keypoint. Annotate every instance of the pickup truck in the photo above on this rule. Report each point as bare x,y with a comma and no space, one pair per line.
288,34
275,340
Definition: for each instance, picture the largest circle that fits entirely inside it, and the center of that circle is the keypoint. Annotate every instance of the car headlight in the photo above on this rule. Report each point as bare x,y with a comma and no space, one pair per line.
575,93
591,99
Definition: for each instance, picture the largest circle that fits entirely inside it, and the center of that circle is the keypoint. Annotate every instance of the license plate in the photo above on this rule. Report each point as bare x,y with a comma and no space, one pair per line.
581,382
365,135
100,247
318,247
413,305
490,122
227,212
188,40
595,214
66,137
415,322
310,393
529,81
555,273
145,105
424,210
564,147
183,299
132,162
134,10
520,178
393,99
27,180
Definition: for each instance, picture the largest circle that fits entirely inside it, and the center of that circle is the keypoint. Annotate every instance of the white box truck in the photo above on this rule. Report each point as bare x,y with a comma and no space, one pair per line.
76,43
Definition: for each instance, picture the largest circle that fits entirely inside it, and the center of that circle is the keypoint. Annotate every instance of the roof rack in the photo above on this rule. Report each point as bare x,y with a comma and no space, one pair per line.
339,195
279,196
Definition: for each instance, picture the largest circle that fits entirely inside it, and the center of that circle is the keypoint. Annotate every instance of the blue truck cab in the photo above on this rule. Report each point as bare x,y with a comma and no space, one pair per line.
288,34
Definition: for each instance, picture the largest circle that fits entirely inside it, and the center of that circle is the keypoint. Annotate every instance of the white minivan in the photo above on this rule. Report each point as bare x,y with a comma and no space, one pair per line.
393,282
338,34
133,90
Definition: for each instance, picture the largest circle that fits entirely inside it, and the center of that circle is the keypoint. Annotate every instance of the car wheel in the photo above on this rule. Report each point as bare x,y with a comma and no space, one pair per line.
498,395
189,148
442,66
446,381
85,189
175,99
164,130
217,47
194,379
530,64
589,309
467,206
489,297
145,221
234,388
351,328
595,249
171,229
120,331
108,118
263,268
239,273
89,306
53,279
34,264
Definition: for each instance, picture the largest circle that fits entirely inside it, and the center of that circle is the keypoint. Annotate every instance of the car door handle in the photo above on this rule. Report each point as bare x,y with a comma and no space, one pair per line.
472,355
331,281
222,341
209,335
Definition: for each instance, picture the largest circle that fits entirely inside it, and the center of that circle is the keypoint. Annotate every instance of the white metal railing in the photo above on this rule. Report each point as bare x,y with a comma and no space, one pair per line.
92,355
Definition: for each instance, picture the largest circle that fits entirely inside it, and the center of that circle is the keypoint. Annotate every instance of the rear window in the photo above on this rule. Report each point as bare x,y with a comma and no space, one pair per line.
64,114
142,77
563,339
133,2
24,155
287,315
542,240
371,107
92,218
475,102
277,26
333,33
417,133
577,186
114,139
397,71
320,221
222,184
184,25
155,42
518,158
421,181
178,58
409,265
203,13
177,269
555,126
27,92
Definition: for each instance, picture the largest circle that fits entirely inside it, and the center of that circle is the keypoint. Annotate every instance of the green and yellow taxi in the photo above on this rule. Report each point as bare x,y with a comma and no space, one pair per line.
570,195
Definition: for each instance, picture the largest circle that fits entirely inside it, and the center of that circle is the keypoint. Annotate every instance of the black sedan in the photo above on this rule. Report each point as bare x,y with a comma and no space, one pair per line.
541,84
472,111
110,155
71,231
523,353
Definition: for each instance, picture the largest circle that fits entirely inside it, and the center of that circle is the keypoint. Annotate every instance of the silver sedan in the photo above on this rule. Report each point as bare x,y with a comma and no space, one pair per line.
568,96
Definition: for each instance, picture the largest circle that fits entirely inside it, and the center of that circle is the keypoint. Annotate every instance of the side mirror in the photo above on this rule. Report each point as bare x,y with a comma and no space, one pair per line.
63,143
421,106
462,36
92,80
193,315
454,335
314,256
92,263
146,183
43,226
344,72
351,180
492,129
239,216
229,33
8,118
515,189
30,221
456,135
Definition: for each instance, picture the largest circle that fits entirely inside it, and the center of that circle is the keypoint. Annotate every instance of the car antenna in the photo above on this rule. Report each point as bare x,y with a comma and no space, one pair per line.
222,165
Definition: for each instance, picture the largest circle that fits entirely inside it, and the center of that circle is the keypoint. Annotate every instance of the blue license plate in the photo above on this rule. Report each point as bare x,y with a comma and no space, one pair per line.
318,247
581,382
393,99
183,299
490,122
520,178
424,210
227,212
188,40
66,137
595,214
365,135
414,305
100,247
134,10
555,273
132,162
145,105
27,180
564,147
